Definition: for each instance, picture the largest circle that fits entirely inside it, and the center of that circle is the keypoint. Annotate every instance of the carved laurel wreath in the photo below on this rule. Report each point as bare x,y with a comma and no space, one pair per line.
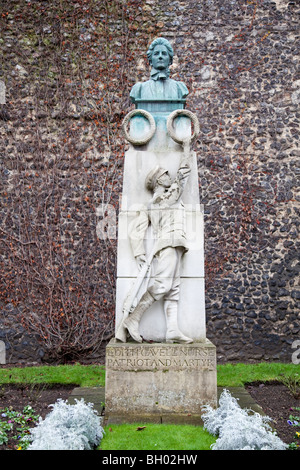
193,118
170,120
148,136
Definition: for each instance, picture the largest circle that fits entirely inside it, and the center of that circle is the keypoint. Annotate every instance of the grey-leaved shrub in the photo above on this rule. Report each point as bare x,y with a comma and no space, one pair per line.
239,429
67,427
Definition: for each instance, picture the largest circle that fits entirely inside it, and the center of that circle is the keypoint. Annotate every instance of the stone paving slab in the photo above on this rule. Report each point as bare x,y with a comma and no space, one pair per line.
96,396
244,398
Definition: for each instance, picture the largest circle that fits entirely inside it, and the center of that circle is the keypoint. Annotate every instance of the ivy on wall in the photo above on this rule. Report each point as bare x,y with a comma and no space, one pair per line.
68,71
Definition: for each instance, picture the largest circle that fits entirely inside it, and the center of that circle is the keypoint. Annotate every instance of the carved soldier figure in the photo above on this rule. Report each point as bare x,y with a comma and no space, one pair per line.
166,214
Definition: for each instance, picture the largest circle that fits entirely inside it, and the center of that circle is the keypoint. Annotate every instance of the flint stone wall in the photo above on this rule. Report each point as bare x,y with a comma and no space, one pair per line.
239,60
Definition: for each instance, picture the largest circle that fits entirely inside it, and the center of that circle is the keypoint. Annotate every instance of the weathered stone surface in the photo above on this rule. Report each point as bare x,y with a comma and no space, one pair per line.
191,310
159,380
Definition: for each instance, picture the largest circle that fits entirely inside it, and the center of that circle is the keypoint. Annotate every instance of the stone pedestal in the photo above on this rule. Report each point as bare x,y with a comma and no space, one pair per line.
159,382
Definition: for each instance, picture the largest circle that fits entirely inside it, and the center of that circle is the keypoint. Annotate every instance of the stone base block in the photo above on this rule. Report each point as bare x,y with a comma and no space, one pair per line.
159,382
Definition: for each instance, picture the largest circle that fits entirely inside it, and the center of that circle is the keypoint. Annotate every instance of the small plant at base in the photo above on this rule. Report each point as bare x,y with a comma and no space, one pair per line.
68,427
295,421
292,382
4,428
237,429
11,418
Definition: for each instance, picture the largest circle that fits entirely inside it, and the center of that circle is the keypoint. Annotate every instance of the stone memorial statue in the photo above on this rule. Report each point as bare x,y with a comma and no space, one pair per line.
165,212
160,363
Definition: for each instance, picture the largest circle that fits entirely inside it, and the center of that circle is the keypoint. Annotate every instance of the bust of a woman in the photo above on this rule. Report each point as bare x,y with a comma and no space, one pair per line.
160,86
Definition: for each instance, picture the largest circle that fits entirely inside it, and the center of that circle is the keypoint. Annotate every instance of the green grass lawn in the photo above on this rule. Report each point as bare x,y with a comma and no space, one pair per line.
153,436
228,375
156,437
235,375
77,374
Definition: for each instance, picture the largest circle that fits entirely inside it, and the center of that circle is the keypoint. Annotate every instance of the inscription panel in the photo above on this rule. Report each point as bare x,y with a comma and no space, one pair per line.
160,357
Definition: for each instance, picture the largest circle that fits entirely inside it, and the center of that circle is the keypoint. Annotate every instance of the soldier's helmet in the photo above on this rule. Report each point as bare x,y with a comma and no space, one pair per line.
153,176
